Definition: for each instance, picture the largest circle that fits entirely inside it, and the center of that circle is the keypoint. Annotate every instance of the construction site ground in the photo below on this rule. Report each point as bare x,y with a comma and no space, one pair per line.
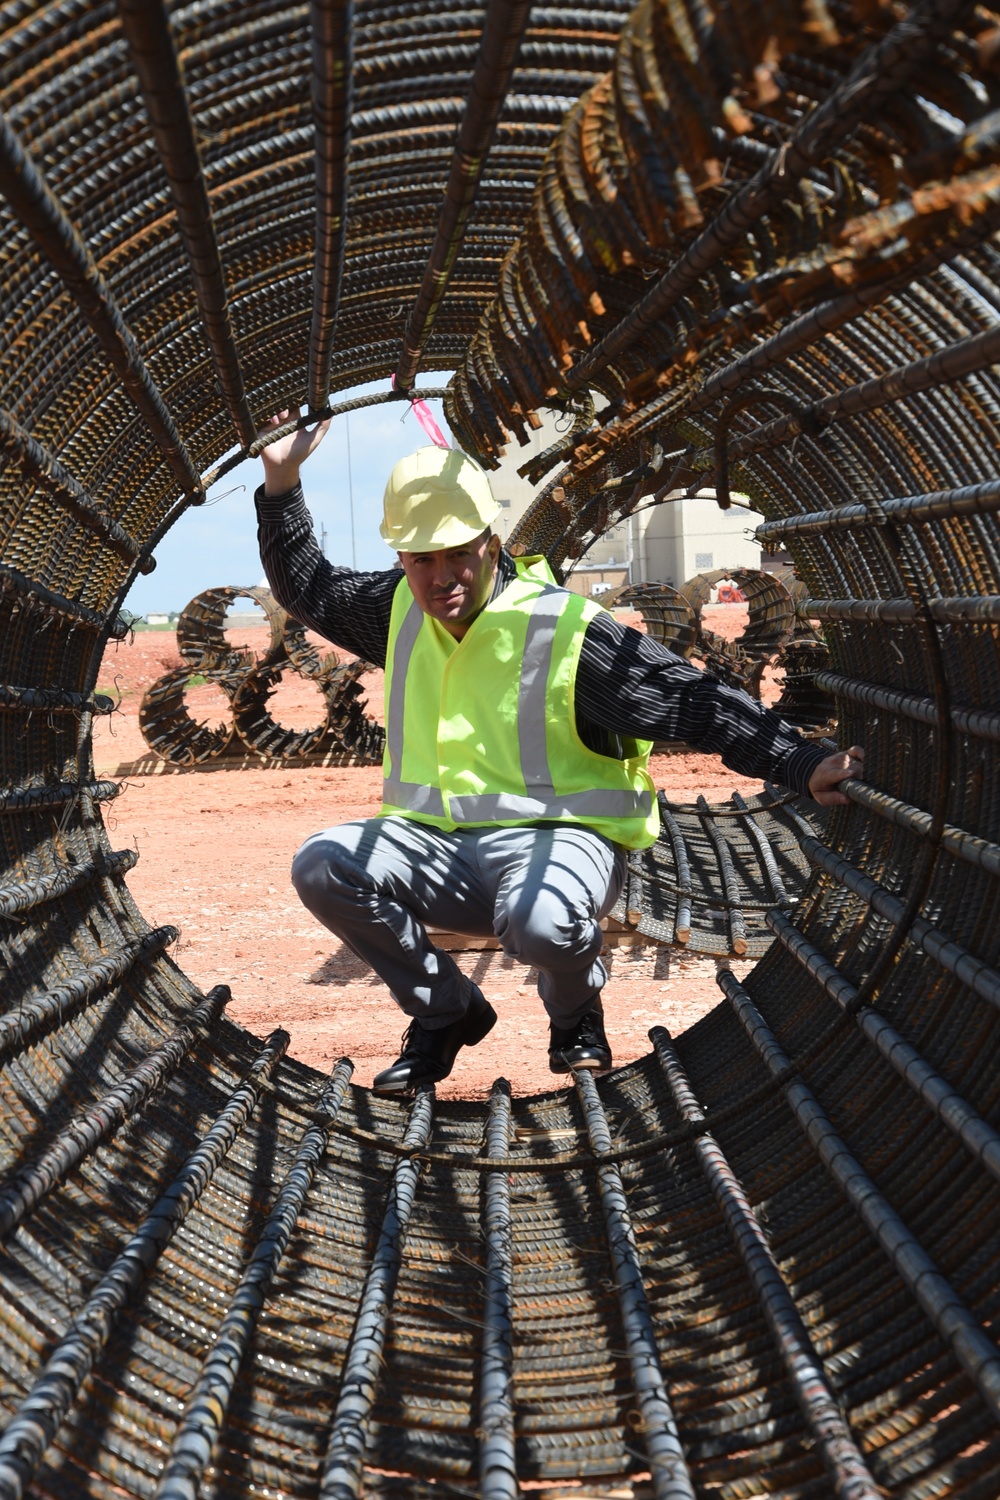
215,846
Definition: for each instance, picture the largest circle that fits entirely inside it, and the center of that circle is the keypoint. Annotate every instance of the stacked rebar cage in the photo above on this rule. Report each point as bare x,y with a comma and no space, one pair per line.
766,1259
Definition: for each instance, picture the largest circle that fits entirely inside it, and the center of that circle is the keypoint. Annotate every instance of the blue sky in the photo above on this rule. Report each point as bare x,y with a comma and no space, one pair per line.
216,544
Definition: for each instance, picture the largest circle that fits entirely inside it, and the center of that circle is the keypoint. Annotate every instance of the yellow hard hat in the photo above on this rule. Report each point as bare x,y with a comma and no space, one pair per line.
436,498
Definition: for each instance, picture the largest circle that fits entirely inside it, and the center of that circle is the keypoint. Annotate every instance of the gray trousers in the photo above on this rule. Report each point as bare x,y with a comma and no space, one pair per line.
541,890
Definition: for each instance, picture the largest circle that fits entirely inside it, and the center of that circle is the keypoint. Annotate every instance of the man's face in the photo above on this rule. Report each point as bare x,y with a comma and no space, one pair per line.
453,585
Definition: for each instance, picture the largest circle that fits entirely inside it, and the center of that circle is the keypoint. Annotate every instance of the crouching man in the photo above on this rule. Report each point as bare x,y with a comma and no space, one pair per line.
519,720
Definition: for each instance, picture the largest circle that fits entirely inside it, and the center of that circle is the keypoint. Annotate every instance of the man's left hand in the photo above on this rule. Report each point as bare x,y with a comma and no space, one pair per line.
825,780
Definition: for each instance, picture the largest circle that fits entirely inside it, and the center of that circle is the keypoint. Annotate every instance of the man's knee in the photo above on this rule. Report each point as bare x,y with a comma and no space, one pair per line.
321,872
549,933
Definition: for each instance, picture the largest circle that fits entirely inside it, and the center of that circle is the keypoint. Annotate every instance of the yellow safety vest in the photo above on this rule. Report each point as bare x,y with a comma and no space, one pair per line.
482,732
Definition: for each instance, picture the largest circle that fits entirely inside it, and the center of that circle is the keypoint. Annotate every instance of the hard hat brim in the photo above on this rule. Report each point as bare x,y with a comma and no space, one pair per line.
438,535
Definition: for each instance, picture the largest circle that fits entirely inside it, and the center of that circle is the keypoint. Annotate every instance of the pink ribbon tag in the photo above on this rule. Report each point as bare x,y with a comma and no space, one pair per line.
425,417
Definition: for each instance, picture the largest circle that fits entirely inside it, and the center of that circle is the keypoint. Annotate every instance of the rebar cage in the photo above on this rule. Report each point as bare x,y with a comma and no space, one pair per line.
750,245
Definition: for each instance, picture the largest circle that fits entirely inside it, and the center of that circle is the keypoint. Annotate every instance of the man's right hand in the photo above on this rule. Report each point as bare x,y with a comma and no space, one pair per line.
282,460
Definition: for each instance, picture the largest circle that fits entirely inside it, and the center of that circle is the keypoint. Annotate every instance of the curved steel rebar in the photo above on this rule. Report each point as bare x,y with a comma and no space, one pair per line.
866,292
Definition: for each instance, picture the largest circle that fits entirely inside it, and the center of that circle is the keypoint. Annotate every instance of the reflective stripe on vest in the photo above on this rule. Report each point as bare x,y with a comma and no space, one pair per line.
408,794
542,800
414,797
531,736
498,807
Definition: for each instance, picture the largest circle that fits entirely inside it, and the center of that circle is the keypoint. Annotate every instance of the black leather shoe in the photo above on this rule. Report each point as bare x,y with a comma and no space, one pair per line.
581,1046
429,1056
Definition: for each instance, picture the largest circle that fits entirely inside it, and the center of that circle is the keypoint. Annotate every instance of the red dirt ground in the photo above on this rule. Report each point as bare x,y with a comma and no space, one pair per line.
215,848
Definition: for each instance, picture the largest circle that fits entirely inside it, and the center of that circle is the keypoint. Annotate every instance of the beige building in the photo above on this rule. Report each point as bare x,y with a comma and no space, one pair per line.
668,543
682,537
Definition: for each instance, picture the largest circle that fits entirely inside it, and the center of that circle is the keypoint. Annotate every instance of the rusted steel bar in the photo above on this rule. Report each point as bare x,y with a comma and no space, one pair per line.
60,242
763,846
32,797
528,110
261,732
973,721
809,328
31,700
876,75
976,1135
913,510
39,1416
332,37
730,885
850,1476
872,695
965,609
23,895
634,899
965,846
970,609
773,396
43,469
339,408
497,1464
884,611
345,1454
272,435
82,1136
670,1473
975,1352
955,361
682,869
154,56
120,626
585,1160
503,30
31,1018
40,600
972,971
169,729
201,630
777,801
208,1402
666,613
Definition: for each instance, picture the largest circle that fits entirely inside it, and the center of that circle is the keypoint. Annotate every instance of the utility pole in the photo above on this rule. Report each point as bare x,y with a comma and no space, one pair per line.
350,487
